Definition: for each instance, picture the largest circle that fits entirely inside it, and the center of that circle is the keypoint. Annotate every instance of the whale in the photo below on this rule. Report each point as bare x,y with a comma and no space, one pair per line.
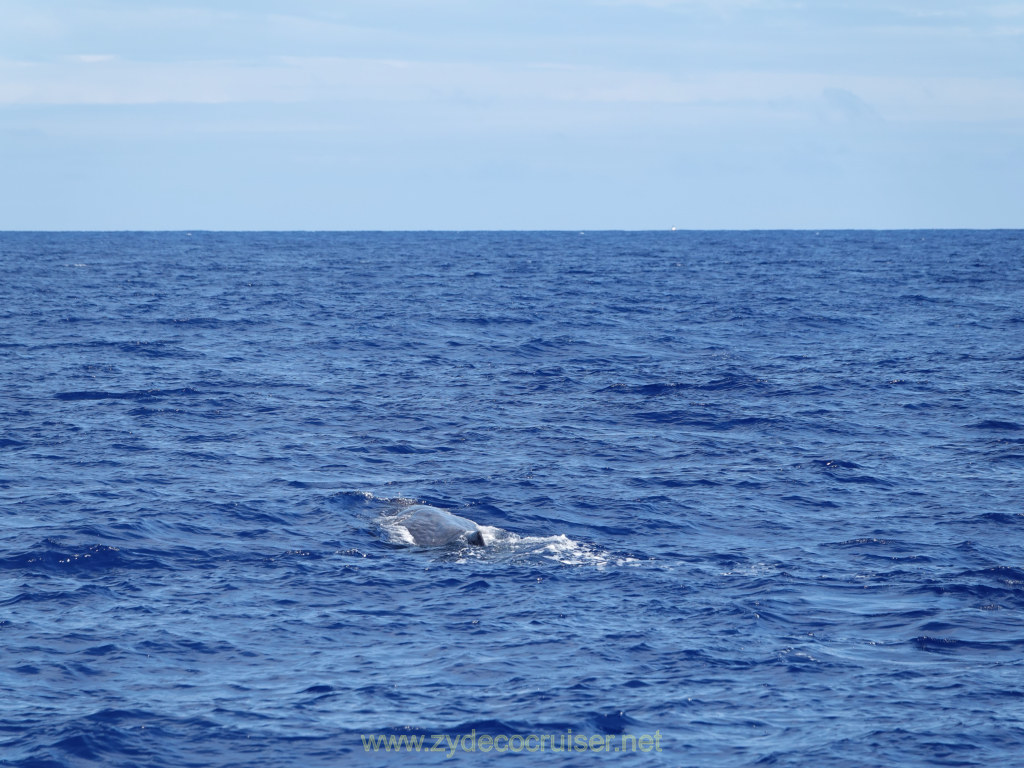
435,527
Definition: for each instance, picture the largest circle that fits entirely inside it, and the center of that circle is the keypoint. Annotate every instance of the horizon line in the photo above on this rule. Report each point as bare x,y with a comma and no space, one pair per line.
582,231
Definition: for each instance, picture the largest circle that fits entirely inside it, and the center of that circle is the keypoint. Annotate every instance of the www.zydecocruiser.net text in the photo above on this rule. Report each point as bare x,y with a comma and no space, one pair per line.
449,744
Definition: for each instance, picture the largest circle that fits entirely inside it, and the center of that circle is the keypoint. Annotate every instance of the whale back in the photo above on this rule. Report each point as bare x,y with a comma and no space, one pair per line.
434,527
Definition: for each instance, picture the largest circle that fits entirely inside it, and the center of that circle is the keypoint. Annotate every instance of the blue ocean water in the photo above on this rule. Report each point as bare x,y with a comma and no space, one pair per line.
755,498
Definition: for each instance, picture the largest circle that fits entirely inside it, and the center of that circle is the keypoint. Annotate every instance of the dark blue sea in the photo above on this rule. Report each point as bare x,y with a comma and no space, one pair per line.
752,499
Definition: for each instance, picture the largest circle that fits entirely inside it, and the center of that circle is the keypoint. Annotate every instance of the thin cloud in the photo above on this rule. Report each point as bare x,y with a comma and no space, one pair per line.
93,58
104,79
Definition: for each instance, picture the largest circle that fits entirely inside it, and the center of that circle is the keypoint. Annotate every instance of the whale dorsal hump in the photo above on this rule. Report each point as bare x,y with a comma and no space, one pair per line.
476,538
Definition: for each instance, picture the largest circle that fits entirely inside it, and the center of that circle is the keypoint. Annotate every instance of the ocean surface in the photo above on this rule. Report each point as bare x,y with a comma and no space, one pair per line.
751,498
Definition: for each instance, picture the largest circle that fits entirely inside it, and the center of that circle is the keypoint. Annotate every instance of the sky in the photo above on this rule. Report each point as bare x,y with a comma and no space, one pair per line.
511,114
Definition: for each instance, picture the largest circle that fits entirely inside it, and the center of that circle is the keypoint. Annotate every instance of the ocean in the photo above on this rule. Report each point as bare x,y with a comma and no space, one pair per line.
749,498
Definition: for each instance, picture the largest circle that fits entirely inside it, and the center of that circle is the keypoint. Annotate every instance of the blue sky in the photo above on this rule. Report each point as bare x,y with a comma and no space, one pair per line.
511,114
